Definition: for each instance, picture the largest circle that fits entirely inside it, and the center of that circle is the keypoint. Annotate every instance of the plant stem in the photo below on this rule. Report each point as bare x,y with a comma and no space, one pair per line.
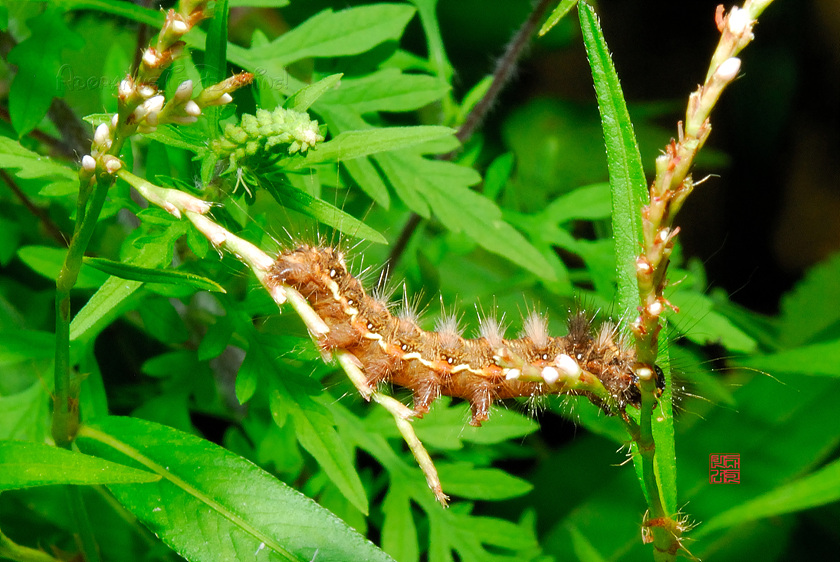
86,537
13,551
65,420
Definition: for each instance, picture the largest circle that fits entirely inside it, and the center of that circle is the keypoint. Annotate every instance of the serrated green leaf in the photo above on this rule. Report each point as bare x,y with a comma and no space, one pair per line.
805,316
821,359
31,165
214,505
335,34
314,427
444,185
701,324
399,534
355,144
303,99
149,275
819,488
48,262
443,427
25,465
292,198
464,480
178,137
386,90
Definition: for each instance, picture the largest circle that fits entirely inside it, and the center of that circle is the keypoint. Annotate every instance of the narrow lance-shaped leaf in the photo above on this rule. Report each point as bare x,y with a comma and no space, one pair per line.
627,178
24,465
150,275
213,505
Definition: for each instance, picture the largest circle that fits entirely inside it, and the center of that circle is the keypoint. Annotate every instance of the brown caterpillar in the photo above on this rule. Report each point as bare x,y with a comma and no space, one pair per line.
392,348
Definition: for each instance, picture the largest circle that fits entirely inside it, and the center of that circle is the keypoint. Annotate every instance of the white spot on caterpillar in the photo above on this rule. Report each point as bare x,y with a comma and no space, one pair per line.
567,365
550,374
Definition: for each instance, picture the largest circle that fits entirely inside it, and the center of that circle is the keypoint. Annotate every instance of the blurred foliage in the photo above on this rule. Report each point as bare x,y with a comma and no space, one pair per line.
520,219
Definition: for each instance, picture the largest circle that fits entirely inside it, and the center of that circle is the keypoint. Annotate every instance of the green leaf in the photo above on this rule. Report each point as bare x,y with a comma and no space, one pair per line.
481,483
444,185
819,359
293,198
25,465
258,3
627,178
328,34
443,427
179,137
399,533
153,18
24,415
112,298
39,60
702,325
303,99
355,144
819,488
48,262
215,60
23,345
314,427
31,165
149,275
805,316
556,15
386,90
214,505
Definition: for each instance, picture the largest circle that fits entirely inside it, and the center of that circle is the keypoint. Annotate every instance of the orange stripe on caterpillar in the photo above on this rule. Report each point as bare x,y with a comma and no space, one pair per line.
393,348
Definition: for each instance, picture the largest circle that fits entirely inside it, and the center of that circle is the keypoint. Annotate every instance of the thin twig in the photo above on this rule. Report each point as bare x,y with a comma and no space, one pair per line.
505,67
39,213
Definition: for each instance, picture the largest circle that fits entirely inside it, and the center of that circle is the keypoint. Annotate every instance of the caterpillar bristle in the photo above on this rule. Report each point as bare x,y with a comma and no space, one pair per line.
535,328
491,329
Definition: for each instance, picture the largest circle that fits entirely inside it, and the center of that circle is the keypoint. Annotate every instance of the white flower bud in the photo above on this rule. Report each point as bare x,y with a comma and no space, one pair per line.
728,69
88,163
147,91
191,108
225,99
113,165
102,135
126,87
739,22
655,308
184,91
150,58
155,104
179,27
115,120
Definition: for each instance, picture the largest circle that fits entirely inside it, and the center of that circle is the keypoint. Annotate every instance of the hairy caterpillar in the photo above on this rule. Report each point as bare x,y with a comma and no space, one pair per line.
598,364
